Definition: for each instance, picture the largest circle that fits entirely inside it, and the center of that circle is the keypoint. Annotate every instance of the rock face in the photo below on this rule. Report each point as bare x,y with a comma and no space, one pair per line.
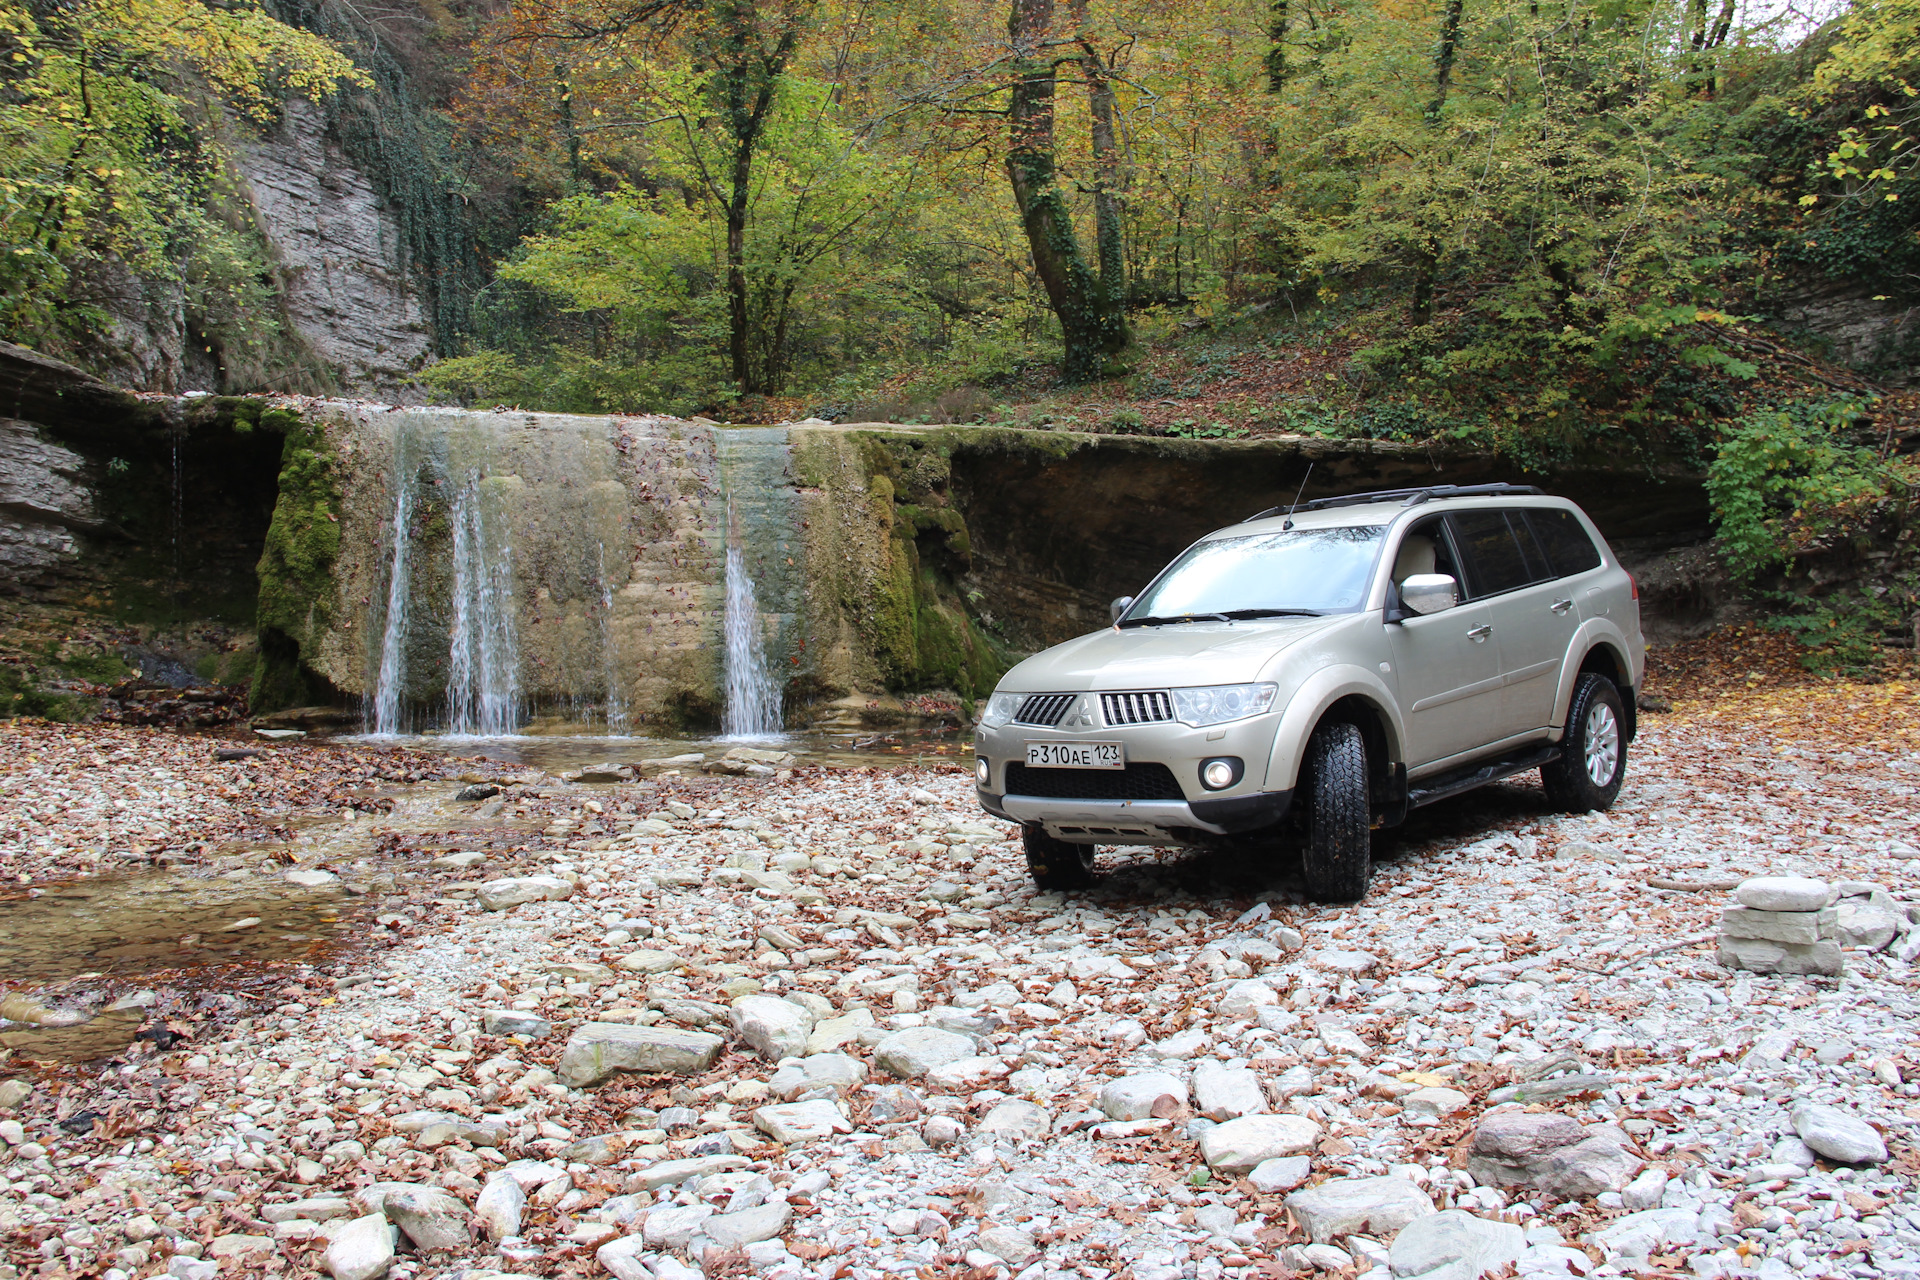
336,244
598,1049
43,502
1345,1206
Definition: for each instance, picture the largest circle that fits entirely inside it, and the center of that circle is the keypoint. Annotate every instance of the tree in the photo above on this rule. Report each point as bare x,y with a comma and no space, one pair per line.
1090,301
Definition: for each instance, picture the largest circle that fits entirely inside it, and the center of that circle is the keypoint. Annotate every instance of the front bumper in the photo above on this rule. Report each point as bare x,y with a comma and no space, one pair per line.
1141,821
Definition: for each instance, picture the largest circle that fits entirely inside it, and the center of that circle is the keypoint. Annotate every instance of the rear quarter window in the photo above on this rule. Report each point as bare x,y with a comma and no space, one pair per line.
1565,540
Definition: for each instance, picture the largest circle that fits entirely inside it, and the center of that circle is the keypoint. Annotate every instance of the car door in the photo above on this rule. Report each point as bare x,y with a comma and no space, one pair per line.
1446,668
1534,617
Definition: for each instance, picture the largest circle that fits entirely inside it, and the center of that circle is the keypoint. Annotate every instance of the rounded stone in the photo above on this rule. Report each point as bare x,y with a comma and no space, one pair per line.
1784,893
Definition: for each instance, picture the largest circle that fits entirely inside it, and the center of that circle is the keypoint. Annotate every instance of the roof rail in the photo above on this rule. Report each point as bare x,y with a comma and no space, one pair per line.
1406,497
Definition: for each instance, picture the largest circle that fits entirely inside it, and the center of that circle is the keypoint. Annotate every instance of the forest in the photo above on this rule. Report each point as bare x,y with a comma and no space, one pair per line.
1545,229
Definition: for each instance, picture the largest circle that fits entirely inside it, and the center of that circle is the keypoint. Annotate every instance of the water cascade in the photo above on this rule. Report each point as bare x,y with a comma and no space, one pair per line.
387,707
616,701
752,707
483,664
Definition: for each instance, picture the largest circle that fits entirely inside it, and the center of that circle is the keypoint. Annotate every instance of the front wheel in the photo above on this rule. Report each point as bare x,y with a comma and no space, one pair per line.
1593,754
1055,864
1338,859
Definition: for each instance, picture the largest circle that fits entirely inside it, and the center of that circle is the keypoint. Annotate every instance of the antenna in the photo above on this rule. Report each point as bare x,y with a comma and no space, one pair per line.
1288,522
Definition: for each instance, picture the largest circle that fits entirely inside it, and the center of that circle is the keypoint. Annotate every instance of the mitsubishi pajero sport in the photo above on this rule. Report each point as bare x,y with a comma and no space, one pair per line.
1349,659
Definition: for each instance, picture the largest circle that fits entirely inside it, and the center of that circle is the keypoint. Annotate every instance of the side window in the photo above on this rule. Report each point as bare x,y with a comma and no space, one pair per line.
1495,562
1568,547
1425,549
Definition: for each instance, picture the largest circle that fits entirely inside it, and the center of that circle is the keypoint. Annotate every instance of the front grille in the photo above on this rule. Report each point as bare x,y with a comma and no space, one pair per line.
1135,782
1136,708
1044,709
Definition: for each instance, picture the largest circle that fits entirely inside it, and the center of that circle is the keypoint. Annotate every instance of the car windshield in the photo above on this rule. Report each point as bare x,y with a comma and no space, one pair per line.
1308,571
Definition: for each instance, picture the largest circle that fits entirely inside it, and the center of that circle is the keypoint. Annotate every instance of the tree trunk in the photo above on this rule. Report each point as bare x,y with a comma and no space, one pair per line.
1091,310
1277,46
1428,256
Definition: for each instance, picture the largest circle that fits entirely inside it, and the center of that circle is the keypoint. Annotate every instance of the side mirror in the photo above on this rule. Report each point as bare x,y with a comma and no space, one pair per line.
1119,607
1425,593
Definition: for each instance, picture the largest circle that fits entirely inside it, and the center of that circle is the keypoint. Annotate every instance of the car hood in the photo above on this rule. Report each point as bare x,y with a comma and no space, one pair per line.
1194,653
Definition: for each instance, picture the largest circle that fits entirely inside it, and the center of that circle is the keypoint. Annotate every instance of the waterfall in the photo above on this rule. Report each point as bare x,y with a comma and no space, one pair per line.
609,652
393,640
752,707
483,657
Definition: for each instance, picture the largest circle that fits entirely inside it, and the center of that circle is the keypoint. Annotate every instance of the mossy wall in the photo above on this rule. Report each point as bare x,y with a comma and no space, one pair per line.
298,592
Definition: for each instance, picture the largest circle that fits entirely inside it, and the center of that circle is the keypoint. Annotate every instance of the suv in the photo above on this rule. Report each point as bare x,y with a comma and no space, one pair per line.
1346,659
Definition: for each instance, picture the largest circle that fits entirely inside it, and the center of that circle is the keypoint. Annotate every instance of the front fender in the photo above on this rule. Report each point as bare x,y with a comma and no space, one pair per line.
1311,701
1593,633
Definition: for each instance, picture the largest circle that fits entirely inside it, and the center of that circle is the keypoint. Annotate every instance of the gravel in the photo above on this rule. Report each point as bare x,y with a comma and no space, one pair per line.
959,1072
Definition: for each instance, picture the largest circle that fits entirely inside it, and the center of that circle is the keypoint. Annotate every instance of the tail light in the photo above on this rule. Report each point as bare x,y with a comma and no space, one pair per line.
1632,584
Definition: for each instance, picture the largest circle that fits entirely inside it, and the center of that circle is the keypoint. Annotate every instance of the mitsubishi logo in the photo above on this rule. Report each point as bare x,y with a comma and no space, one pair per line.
1083,709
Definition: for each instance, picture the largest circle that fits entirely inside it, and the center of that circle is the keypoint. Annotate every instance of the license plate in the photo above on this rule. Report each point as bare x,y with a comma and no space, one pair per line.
1075,755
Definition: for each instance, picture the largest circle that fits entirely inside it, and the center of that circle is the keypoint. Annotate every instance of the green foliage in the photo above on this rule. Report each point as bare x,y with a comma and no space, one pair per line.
1786,477
1189,429
97,668
19,696
295,569
1844,638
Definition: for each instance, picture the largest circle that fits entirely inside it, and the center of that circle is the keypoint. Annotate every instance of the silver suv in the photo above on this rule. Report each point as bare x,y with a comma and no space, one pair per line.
1348,660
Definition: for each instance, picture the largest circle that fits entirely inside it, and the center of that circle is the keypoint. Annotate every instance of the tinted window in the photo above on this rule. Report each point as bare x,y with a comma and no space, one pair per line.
1568,547
1495,562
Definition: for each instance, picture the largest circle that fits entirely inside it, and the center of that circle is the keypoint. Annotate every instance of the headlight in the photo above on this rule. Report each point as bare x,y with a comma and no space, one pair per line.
1219,703
1000,709
982,771
1220,773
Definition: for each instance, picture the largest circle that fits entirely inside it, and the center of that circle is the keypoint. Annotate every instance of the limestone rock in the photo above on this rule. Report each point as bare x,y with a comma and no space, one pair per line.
1838,1135
598,1049
1454,1245
513,1022
829,1034
648,960
1140,1096
1803,928
1586,1168
621,1258
1757,956
1865,925
503,895
773,1027
1011,1245
1221,1092
1282,1174
500,1206
916,1051
749,1226
1017,1120
362,1249
1245,998
1784,893
1639,1234
1239,1145
795,1122
1344,1206
430,1217
1434,1100
674,1226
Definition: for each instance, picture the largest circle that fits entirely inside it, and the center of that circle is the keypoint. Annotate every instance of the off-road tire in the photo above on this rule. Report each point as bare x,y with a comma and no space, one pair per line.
1057,866
1338,857
1595,743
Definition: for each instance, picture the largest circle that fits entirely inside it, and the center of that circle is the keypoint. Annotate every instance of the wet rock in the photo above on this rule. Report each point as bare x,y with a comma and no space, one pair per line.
913,1053
599,1049
1454,1245
478,791
1784,893
430,1217
1138,1097
504,895
1239,1145
362,1249
311,878
772,1027
1344,1206
1223,1093
1838,1135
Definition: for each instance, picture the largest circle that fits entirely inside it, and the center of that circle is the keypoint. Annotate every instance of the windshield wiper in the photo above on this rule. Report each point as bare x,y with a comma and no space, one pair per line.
1272,613
1182,617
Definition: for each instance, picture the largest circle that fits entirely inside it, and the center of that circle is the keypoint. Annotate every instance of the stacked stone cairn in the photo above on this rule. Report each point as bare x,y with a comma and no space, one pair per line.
1784,924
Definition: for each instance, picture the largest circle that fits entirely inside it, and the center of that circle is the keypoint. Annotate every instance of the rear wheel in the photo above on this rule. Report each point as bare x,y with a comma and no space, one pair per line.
1338,859
1055,864
1593,754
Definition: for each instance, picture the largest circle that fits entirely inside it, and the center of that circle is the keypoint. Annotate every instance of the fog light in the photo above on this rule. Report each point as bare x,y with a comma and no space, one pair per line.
1218,775
982,771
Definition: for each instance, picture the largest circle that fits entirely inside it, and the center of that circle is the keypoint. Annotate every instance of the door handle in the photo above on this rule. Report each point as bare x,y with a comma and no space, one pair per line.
1481,632
1561,606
